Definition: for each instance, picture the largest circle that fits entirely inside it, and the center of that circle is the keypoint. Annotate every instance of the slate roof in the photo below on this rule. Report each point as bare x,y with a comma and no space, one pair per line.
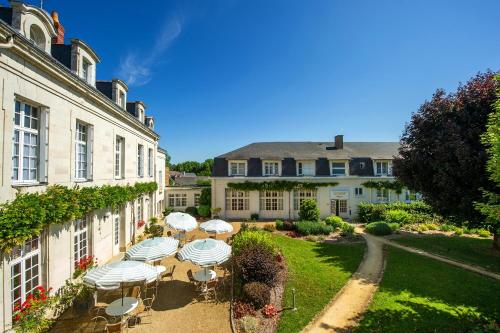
314,150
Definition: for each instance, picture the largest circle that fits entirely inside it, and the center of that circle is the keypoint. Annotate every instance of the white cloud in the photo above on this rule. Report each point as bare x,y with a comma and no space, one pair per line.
136,66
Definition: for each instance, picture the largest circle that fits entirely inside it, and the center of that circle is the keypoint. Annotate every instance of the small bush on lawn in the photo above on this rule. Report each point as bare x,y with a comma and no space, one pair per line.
432,226
307,228
255,263
458,231
249,238
243,309
280,225
483,233
257,293
309,210
249,324
394,226
254,217
334,221
269,228
398,216
369,212
193,211
286,225
204,210
446,227
378,228
346,229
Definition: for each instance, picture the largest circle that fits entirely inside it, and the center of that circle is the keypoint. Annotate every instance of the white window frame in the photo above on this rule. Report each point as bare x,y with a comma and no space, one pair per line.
301,195
140,160
116,228
150,162
160,181
382,195
86,69
140,210
177,200
303,166
80,240
336,168
387,168
33,133
358,192
119,157
21,257
197,199
237,200
81,150
240,168
271,168
271,200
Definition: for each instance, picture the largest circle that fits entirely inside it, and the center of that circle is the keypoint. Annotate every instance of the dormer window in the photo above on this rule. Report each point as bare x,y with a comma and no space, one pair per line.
338,169
37,36
306,168
271,168
122,99
86,70
237,168
382,169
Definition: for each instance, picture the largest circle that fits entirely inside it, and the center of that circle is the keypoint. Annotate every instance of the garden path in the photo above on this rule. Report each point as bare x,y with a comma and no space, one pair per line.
345,310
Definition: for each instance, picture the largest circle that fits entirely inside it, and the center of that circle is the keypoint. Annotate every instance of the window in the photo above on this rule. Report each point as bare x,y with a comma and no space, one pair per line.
237,200
122,99
237,168
306,168
25,157
150,162
37,36
139,215
80,246
301,195
410,195
271,169
338,168
117,229
382,168
342,206
140,160
160,181
24,271
81,151
382,194
271,200
197,199
358,191
177,200
86,70
119,155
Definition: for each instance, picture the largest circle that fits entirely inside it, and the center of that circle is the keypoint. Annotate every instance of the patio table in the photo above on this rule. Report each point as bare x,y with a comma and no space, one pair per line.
116,309
204,275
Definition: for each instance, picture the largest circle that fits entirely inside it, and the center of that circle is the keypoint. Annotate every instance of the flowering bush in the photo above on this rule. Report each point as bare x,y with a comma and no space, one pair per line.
269,311
83,265
242,309
30,316
140,224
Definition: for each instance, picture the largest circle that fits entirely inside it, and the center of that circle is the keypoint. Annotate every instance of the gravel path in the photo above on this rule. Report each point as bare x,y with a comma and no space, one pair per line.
348,306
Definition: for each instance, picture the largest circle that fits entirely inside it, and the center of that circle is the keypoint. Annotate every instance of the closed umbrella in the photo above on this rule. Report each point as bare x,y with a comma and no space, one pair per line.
181,221
216,226
152,249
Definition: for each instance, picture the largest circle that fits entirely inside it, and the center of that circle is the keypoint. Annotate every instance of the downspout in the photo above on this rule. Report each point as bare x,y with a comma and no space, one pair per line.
9,43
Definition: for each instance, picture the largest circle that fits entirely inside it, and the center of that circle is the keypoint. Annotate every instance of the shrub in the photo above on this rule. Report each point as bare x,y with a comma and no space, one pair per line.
193,211
288,225
204,210
419,218
206,197
422,227
154,231
346,229
483,233
398,216
306,228
394,226
369,212
257,293
309,210
378,228
446,227
458,231
269,228
249,324
293,234
432,226
269,311
334,221
254,217
257,264
167,211
153,220
248,238
280,225
243,309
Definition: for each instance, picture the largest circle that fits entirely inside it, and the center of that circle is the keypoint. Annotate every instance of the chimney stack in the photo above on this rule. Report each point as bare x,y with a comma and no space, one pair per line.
339,141
59,39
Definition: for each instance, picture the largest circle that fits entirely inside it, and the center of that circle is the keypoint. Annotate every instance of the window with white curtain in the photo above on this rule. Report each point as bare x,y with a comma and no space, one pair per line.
26,143
150,162
306,168
119,156
80,246
271,168
81,151
140,160
237,168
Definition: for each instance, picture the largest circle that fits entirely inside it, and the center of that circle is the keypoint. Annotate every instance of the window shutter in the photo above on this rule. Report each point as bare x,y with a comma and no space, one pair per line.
90,153
43,160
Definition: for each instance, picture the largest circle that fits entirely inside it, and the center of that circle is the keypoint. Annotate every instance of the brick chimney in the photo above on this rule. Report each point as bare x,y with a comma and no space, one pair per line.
339,141
59,39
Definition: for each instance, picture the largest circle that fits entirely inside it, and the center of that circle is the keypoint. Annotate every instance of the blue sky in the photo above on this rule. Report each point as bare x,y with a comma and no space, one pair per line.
220,74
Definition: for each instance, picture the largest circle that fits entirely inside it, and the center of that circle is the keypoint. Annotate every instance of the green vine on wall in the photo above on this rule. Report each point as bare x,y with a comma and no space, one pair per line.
278,185
28,214
395,186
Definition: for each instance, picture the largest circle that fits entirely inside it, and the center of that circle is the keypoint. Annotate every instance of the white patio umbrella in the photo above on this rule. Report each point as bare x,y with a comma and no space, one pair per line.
205,252
152,249
216,226
115,275
181,221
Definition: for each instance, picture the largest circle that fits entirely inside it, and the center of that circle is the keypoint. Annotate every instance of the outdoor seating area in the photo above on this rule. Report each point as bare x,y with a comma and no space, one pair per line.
161,283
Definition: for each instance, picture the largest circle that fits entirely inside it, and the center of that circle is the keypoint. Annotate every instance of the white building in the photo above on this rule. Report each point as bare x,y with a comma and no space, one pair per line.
59,125
348,164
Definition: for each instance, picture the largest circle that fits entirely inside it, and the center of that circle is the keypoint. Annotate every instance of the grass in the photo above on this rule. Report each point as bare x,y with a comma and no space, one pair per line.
419,294
469,250
317,271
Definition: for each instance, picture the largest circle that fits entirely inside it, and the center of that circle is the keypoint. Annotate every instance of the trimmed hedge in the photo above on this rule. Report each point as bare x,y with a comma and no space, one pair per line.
307,228
193,211
346,229
204,210
257,293
248,238
378,228
369,212
334,221
398,216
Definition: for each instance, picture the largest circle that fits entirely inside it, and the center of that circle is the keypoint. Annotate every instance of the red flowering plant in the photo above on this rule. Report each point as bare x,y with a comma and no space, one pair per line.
31,315
269,311
140,224
83,265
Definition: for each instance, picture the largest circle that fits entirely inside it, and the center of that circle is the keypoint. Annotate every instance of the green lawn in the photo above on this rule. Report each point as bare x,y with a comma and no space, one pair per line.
469,250
419,294
317,271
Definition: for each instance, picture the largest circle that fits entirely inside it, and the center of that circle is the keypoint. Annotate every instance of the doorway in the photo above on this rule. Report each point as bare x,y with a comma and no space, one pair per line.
338,207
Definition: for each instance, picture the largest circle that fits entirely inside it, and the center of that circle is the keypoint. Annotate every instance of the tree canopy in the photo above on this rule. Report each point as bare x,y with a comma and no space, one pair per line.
441,155
199,168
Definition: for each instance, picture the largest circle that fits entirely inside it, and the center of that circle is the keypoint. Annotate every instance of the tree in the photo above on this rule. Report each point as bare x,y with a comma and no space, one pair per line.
309,210
441,154
167,159
200,169
490,208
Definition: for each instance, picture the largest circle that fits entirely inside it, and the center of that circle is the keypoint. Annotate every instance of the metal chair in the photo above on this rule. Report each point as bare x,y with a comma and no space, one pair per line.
146,312
169,273
210,290
97,320
192,279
